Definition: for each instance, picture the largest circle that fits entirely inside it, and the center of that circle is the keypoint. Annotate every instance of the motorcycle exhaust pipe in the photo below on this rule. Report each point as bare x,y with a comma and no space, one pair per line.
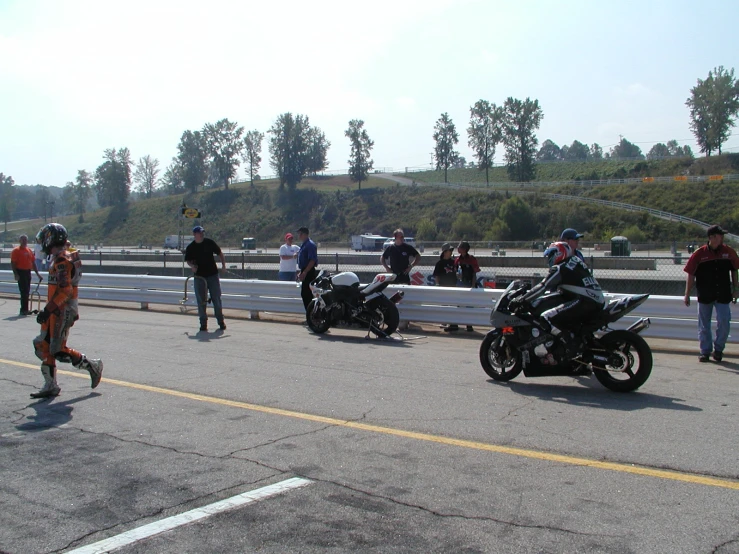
397,297
640,325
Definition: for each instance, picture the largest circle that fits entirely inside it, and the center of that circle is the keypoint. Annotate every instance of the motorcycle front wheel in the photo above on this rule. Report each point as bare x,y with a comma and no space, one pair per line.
498,359
629,361
317,318
385,318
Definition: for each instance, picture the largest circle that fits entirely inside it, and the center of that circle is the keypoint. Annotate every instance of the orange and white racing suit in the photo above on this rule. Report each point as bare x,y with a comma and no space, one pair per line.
64,277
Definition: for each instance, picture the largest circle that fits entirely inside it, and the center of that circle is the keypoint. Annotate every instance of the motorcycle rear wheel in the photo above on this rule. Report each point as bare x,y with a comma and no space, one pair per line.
317,319
498,359
385,318
630,361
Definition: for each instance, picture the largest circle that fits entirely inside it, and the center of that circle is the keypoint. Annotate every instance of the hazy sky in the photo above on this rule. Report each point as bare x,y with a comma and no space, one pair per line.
77,77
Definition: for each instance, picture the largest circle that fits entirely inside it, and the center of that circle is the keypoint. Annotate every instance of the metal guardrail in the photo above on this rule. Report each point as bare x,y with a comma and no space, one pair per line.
435,305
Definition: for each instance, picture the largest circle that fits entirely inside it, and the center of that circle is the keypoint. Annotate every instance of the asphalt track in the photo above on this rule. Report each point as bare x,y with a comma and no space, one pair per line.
401,446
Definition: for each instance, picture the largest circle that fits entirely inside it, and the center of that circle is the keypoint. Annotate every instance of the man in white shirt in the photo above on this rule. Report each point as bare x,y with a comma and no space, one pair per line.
288,259
40,260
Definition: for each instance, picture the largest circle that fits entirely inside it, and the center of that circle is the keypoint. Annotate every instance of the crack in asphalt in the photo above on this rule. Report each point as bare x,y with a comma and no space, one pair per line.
437,513
717,549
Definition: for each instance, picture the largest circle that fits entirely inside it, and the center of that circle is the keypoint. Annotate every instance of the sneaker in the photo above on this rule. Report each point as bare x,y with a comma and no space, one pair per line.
703,358
222,325
470,329
451,328
718,356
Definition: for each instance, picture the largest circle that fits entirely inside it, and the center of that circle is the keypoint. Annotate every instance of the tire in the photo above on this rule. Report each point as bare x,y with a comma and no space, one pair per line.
318,322
630,361
498,359
385,317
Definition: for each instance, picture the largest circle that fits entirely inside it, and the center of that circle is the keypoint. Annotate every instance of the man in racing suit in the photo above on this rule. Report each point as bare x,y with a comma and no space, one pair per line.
60,312
577,295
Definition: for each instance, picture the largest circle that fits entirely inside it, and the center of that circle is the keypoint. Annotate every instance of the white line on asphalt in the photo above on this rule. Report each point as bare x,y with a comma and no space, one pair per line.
135,535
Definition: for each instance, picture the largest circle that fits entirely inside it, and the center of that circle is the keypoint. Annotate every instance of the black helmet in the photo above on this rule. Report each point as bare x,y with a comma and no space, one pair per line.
50,235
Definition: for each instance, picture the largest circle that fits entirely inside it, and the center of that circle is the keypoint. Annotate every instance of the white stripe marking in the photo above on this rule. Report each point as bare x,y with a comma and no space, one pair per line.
167,524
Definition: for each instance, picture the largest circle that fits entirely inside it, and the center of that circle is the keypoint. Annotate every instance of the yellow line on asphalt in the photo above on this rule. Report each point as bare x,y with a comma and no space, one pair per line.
473,445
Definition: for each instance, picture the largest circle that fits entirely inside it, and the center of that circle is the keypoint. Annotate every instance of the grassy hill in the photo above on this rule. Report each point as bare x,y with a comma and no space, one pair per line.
594,170
334,209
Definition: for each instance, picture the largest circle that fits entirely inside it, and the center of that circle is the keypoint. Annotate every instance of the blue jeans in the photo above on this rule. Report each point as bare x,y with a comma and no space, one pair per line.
287,275
213,284
723,317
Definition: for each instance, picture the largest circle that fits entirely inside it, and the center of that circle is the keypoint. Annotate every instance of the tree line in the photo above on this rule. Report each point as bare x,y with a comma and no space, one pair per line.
210,156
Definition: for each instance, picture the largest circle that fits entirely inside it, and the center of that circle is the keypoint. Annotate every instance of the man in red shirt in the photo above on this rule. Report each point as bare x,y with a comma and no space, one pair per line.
22,261
713,269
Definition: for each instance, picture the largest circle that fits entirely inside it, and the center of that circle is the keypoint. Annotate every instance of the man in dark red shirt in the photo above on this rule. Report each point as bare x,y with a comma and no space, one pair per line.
713,269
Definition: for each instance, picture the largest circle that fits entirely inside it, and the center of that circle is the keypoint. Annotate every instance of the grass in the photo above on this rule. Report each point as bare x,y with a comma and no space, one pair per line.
333,208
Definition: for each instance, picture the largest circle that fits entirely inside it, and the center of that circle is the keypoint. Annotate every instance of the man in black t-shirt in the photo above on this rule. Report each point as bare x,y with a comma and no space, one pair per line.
402,257
199,256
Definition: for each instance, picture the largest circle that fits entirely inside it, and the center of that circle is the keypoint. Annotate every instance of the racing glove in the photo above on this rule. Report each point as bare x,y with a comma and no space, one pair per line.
43,316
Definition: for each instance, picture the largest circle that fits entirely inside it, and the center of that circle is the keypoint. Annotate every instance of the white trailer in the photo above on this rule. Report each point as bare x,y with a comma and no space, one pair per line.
368,242
178,242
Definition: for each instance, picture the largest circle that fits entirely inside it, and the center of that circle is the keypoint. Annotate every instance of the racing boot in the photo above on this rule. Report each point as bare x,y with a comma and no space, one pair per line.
95,367
50,387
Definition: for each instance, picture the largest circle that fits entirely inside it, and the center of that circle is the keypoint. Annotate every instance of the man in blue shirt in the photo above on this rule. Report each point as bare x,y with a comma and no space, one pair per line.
307,262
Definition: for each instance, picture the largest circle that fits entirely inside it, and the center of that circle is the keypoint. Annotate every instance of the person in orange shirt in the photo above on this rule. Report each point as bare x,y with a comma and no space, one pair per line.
60,312
22,261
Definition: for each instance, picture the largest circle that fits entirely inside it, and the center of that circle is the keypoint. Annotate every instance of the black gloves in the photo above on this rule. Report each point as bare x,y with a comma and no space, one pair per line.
43,316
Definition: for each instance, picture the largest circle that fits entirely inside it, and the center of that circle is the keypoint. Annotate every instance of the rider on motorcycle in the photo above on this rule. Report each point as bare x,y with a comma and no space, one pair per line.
574,294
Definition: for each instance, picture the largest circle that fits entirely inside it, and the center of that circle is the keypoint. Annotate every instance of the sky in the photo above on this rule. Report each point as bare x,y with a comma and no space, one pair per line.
78,76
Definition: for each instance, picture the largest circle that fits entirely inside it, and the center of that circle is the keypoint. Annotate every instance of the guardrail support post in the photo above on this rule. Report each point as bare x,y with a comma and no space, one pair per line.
337,262
165,259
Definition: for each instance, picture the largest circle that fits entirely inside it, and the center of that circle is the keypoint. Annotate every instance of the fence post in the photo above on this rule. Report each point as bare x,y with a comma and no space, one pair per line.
164,253
100,257
243,273
337,262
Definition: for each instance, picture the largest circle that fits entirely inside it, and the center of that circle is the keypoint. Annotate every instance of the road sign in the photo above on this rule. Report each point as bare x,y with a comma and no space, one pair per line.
190,213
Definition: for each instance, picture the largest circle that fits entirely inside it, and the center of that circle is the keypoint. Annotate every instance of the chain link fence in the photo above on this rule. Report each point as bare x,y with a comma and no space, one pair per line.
646,268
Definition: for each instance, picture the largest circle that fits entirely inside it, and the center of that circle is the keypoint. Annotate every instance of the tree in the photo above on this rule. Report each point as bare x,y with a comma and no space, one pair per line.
316,153
145,176
7,198
627,150
173,179
596,152
360,163
223,145
577,152
521,119
253,153
714,105
465,227
659,151
113,177
549,152
484,133
287,147
446,137
192,160
518,218
82,188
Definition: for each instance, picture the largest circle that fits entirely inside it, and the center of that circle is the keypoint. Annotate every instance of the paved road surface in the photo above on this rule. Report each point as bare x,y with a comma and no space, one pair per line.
406,445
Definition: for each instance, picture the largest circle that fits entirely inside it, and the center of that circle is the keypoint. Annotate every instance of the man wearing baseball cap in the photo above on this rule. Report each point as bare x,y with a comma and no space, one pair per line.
713,270
199,256
572,238
288,259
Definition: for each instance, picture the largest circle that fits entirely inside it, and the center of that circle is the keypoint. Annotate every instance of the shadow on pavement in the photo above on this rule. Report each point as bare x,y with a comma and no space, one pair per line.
356,339
51,413
206,336
592,394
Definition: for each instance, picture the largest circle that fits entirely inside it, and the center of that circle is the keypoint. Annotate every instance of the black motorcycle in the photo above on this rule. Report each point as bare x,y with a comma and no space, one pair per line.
620,359
339,300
